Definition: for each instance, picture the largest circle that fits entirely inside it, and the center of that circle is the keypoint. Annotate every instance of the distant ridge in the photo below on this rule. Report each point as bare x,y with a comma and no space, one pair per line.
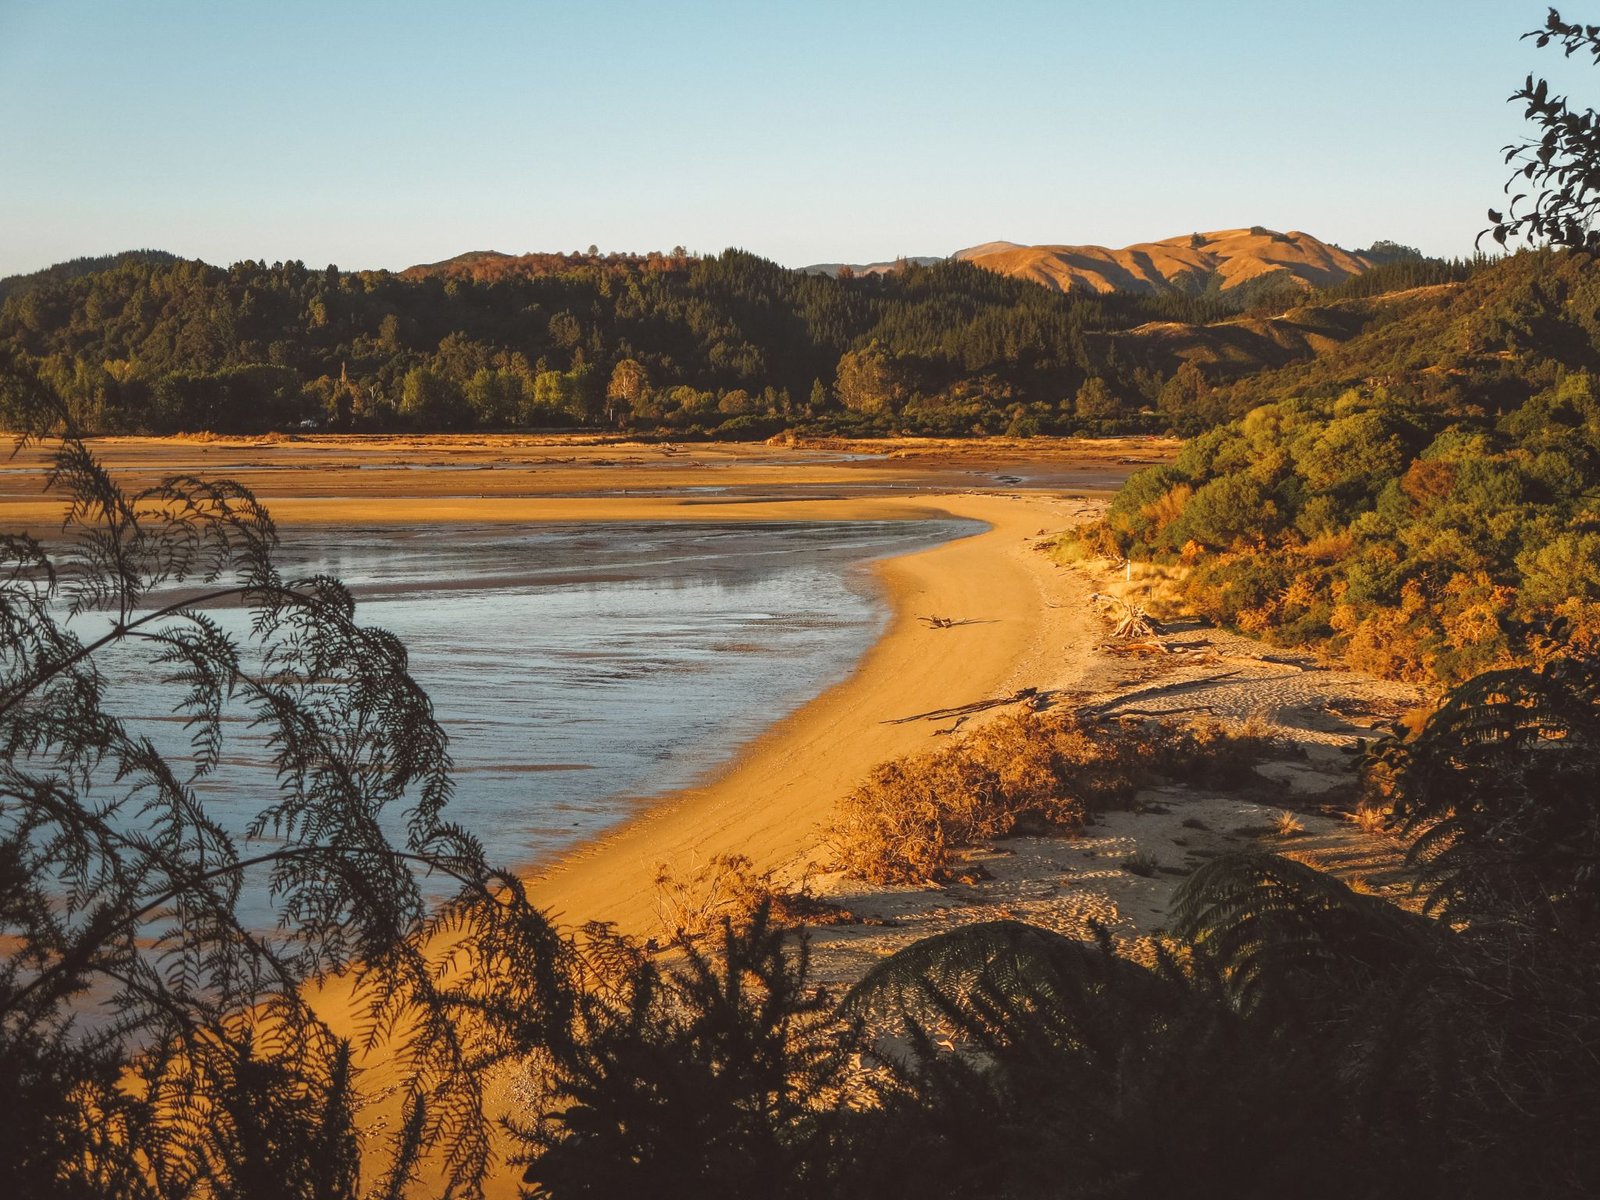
1194,263
15,285
877,268
486,266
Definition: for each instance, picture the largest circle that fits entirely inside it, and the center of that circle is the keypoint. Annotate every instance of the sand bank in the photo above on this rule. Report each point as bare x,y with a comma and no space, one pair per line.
394,480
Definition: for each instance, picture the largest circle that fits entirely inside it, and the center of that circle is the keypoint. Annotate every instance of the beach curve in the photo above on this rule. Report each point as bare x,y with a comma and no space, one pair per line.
772,802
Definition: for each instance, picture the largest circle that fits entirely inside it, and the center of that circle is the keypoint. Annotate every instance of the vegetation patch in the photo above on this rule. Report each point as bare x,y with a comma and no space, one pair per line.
1029,773
729,888
1420,503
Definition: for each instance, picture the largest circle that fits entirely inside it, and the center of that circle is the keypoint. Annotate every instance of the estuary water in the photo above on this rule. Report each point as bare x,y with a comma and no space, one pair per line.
579,668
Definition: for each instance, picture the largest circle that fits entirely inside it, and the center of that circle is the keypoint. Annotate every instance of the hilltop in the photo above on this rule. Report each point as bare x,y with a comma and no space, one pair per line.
492,266
1193,262
1244,262
15,285
875,268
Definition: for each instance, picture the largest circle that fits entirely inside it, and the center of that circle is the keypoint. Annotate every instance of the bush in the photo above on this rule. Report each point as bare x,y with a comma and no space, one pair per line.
1038,772
720,1076
729,888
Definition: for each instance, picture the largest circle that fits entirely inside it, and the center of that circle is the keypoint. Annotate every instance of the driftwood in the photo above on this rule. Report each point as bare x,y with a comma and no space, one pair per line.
1139,648
937,622
1131,620
1164,712
1028,695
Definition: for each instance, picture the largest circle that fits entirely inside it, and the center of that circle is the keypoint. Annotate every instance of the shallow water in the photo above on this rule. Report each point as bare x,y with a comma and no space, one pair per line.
577,668
580,668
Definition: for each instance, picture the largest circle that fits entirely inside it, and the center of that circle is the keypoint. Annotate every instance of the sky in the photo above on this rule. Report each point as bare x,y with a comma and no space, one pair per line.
383,134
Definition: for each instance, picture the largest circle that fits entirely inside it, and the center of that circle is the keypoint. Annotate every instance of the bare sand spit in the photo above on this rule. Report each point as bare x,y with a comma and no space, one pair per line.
510,477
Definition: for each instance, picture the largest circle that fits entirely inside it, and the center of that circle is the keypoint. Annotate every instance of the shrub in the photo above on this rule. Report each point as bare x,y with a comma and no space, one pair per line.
719,1076
1037,772
728,888
1141,864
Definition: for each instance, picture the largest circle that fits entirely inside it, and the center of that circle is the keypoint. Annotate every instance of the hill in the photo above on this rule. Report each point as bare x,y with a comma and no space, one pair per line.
1245,345
13,285
728,343
876,268
489,266
1421,500
1196,263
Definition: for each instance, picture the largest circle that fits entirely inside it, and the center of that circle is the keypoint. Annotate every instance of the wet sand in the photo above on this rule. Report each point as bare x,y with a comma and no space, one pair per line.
409,480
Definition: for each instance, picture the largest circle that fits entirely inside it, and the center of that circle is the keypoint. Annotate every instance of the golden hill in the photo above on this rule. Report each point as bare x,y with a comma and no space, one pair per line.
1195,262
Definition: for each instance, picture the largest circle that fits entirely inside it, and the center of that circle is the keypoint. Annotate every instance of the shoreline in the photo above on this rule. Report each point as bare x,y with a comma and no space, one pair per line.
772,800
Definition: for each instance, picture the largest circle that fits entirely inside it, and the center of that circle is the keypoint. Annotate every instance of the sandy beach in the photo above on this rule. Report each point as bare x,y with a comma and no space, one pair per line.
1013,629
772,804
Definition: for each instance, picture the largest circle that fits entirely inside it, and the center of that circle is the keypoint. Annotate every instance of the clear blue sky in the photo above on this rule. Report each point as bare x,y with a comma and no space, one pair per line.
382,134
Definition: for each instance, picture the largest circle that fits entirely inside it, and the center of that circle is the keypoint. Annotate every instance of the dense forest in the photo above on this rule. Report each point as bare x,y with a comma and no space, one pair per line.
1423,500
732,345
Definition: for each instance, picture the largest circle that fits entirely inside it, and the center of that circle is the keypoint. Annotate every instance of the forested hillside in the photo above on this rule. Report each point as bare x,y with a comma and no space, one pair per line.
1423,499
732,345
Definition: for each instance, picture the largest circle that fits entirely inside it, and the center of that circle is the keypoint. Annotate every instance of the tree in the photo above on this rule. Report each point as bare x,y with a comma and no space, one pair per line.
626,389
1095,401
154,1026
1182,399
865,381
433,401
1561,167
816,399
496,397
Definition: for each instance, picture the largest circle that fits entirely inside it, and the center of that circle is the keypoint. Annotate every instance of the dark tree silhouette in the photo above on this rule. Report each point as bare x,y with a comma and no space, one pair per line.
155,1039
1555,188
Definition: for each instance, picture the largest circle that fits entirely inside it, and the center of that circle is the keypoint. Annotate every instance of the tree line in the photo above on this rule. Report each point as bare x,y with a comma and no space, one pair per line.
731,344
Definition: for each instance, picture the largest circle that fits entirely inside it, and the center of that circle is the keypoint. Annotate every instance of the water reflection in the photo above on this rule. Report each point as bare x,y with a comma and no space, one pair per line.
579,667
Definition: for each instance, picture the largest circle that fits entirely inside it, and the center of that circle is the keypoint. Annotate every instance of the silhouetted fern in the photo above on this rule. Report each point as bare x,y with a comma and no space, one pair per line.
120,891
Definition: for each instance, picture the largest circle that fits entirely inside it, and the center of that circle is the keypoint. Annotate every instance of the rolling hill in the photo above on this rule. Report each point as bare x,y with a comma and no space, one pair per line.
1220,261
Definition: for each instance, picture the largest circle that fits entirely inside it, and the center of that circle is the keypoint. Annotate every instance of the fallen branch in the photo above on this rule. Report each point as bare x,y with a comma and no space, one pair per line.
1028,695
1139,648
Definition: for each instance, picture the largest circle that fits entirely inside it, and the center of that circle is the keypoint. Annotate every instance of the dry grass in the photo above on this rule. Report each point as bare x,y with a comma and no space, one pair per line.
1368,818
1288,825
728,888
1030,773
